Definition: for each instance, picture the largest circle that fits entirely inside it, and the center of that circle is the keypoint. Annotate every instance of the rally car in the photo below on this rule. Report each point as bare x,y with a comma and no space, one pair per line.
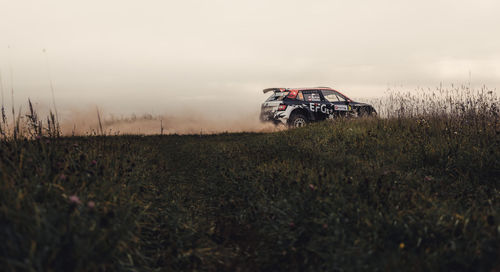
299,106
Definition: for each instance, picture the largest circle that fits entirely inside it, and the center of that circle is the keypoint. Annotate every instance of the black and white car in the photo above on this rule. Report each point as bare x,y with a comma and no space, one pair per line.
299,106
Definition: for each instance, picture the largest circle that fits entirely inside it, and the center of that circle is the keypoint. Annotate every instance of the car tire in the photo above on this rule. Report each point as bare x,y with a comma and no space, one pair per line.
297,120
372,112
366,112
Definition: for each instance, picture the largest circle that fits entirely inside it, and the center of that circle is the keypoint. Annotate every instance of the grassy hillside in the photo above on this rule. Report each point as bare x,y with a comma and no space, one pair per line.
367,194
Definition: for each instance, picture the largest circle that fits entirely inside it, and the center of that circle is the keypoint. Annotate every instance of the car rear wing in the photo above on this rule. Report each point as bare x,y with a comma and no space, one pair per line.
274,90
292,92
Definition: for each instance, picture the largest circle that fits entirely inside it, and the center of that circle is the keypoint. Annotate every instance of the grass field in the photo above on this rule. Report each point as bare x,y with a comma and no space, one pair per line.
362,194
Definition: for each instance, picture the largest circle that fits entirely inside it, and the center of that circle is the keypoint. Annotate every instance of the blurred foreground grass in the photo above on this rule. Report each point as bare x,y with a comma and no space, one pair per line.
367,194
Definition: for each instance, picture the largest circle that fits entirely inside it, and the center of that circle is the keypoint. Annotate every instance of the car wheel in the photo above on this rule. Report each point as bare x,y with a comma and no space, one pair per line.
297,120
365,112
371,112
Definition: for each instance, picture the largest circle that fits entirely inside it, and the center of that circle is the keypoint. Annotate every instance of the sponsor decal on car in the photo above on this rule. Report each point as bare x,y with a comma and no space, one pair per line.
341,107
316,107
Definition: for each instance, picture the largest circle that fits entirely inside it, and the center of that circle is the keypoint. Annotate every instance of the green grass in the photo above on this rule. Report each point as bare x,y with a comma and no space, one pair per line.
368,194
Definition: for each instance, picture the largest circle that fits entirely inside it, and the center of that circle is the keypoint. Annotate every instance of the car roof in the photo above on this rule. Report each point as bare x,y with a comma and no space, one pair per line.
296,89
301,89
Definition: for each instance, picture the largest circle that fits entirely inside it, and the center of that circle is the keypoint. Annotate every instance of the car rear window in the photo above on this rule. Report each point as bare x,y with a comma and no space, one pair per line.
278,96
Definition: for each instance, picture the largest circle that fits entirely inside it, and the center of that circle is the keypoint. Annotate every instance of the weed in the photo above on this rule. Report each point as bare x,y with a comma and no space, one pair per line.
418,190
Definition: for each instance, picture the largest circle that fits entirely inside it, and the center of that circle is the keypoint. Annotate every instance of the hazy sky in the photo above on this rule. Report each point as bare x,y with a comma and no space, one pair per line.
160,56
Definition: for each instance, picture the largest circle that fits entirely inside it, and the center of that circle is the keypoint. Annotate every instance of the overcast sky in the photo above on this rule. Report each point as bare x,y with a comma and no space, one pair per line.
161,56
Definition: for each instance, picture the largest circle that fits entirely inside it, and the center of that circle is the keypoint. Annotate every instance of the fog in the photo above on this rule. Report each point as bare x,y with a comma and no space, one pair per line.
213,58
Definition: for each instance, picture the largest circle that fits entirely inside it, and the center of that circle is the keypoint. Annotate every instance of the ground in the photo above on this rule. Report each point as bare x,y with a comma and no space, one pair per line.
369,194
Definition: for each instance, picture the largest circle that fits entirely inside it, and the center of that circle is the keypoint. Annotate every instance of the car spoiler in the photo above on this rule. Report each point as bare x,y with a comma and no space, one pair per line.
274,90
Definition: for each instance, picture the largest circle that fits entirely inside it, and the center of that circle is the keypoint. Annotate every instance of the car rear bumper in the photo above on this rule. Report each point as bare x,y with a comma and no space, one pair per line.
273,117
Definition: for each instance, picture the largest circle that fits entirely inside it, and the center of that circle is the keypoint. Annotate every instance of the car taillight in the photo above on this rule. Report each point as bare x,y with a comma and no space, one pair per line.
282,107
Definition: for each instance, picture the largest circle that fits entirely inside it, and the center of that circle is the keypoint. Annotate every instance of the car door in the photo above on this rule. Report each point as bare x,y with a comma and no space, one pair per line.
315,103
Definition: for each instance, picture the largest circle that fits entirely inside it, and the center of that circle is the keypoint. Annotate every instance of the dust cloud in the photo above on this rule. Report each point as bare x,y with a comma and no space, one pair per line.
86,122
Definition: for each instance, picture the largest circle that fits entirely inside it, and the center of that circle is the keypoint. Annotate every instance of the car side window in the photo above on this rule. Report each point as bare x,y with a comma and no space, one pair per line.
331,96
312,96
341,97
300,96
